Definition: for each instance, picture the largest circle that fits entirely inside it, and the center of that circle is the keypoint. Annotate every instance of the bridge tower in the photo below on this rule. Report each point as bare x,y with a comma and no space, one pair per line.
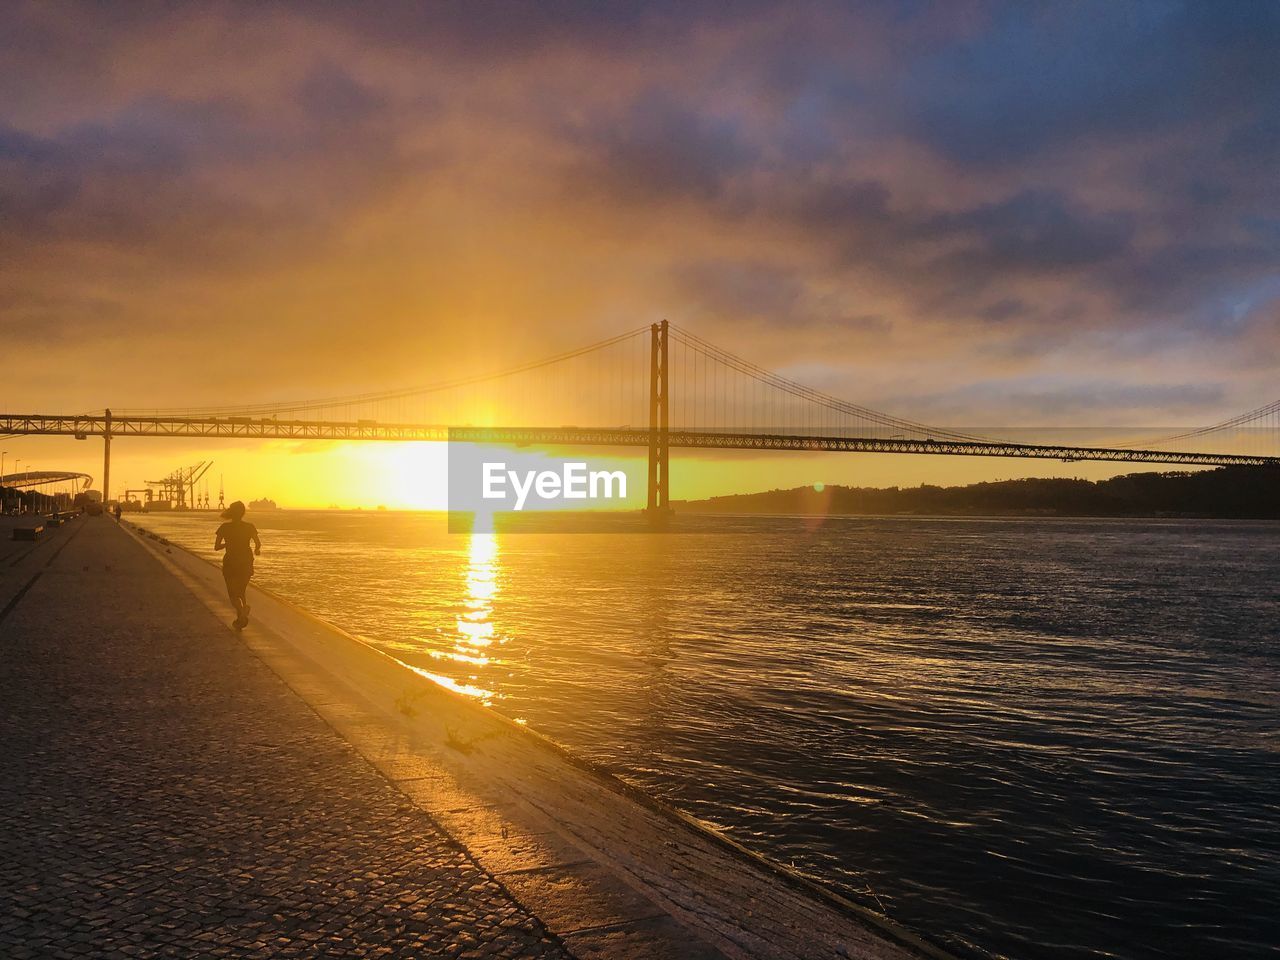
659,397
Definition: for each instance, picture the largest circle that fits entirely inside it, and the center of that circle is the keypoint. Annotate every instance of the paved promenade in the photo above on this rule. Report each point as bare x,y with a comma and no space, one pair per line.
170,788
164,793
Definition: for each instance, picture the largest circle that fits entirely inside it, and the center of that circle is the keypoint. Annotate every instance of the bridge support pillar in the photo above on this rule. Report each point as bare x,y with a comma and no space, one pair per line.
659,422
106,460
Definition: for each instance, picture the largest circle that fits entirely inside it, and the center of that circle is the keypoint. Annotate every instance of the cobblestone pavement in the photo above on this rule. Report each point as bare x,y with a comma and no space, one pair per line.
163,794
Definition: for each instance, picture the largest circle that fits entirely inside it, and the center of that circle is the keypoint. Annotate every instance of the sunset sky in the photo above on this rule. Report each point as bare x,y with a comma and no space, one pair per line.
962,213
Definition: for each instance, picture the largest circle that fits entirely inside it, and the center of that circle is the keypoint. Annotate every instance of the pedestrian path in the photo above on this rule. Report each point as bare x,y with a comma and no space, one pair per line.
164,793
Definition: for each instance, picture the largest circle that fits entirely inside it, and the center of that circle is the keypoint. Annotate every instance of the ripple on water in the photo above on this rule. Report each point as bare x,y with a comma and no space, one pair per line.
1024,738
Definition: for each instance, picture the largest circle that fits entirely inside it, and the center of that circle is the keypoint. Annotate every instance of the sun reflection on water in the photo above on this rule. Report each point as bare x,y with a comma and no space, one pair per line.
475,626
475,631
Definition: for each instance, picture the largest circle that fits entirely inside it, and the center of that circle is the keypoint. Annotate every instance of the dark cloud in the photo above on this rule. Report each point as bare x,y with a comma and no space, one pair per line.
855,207
742,290
119,180
663,149
960,185
1041,76
524,27
1008,308
1061,404
1113,159
1033,230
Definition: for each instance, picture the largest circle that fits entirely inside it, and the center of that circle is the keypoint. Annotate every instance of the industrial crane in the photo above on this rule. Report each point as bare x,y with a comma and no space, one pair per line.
128,500
175,487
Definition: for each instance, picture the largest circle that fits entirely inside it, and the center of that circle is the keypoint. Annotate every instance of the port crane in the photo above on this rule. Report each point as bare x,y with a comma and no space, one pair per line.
175,487
145,491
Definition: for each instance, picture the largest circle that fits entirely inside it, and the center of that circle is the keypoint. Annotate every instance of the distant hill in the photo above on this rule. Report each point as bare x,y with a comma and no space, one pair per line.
1227,492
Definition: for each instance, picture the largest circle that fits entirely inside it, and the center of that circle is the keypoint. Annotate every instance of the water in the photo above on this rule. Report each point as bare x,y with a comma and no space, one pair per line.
1021,738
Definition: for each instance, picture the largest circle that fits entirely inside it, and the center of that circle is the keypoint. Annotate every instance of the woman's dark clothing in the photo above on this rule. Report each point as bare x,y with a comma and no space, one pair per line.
237,562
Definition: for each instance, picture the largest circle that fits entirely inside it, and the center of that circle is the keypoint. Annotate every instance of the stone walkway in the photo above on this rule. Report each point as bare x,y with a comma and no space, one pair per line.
164,794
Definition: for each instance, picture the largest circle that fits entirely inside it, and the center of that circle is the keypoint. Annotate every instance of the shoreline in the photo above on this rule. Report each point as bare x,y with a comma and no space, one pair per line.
680,510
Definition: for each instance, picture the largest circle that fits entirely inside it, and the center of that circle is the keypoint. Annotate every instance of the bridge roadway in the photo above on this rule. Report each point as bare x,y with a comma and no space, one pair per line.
267,428
169,787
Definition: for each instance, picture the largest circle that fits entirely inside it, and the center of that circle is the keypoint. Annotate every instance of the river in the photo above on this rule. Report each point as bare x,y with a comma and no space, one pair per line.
1022,738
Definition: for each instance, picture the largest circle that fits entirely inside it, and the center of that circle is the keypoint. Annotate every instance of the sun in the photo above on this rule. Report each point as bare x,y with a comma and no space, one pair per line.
410,476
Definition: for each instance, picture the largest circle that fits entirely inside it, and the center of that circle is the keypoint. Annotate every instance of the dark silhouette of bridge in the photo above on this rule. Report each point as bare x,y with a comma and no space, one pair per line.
657,387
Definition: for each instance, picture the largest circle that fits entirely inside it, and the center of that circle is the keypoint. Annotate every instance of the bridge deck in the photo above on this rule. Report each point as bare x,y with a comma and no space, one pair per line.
267,428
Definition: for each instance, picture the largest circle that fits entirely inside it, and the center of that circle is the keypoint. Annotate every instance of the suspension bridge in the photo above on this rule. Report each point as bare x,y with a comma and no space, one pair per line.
658,387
